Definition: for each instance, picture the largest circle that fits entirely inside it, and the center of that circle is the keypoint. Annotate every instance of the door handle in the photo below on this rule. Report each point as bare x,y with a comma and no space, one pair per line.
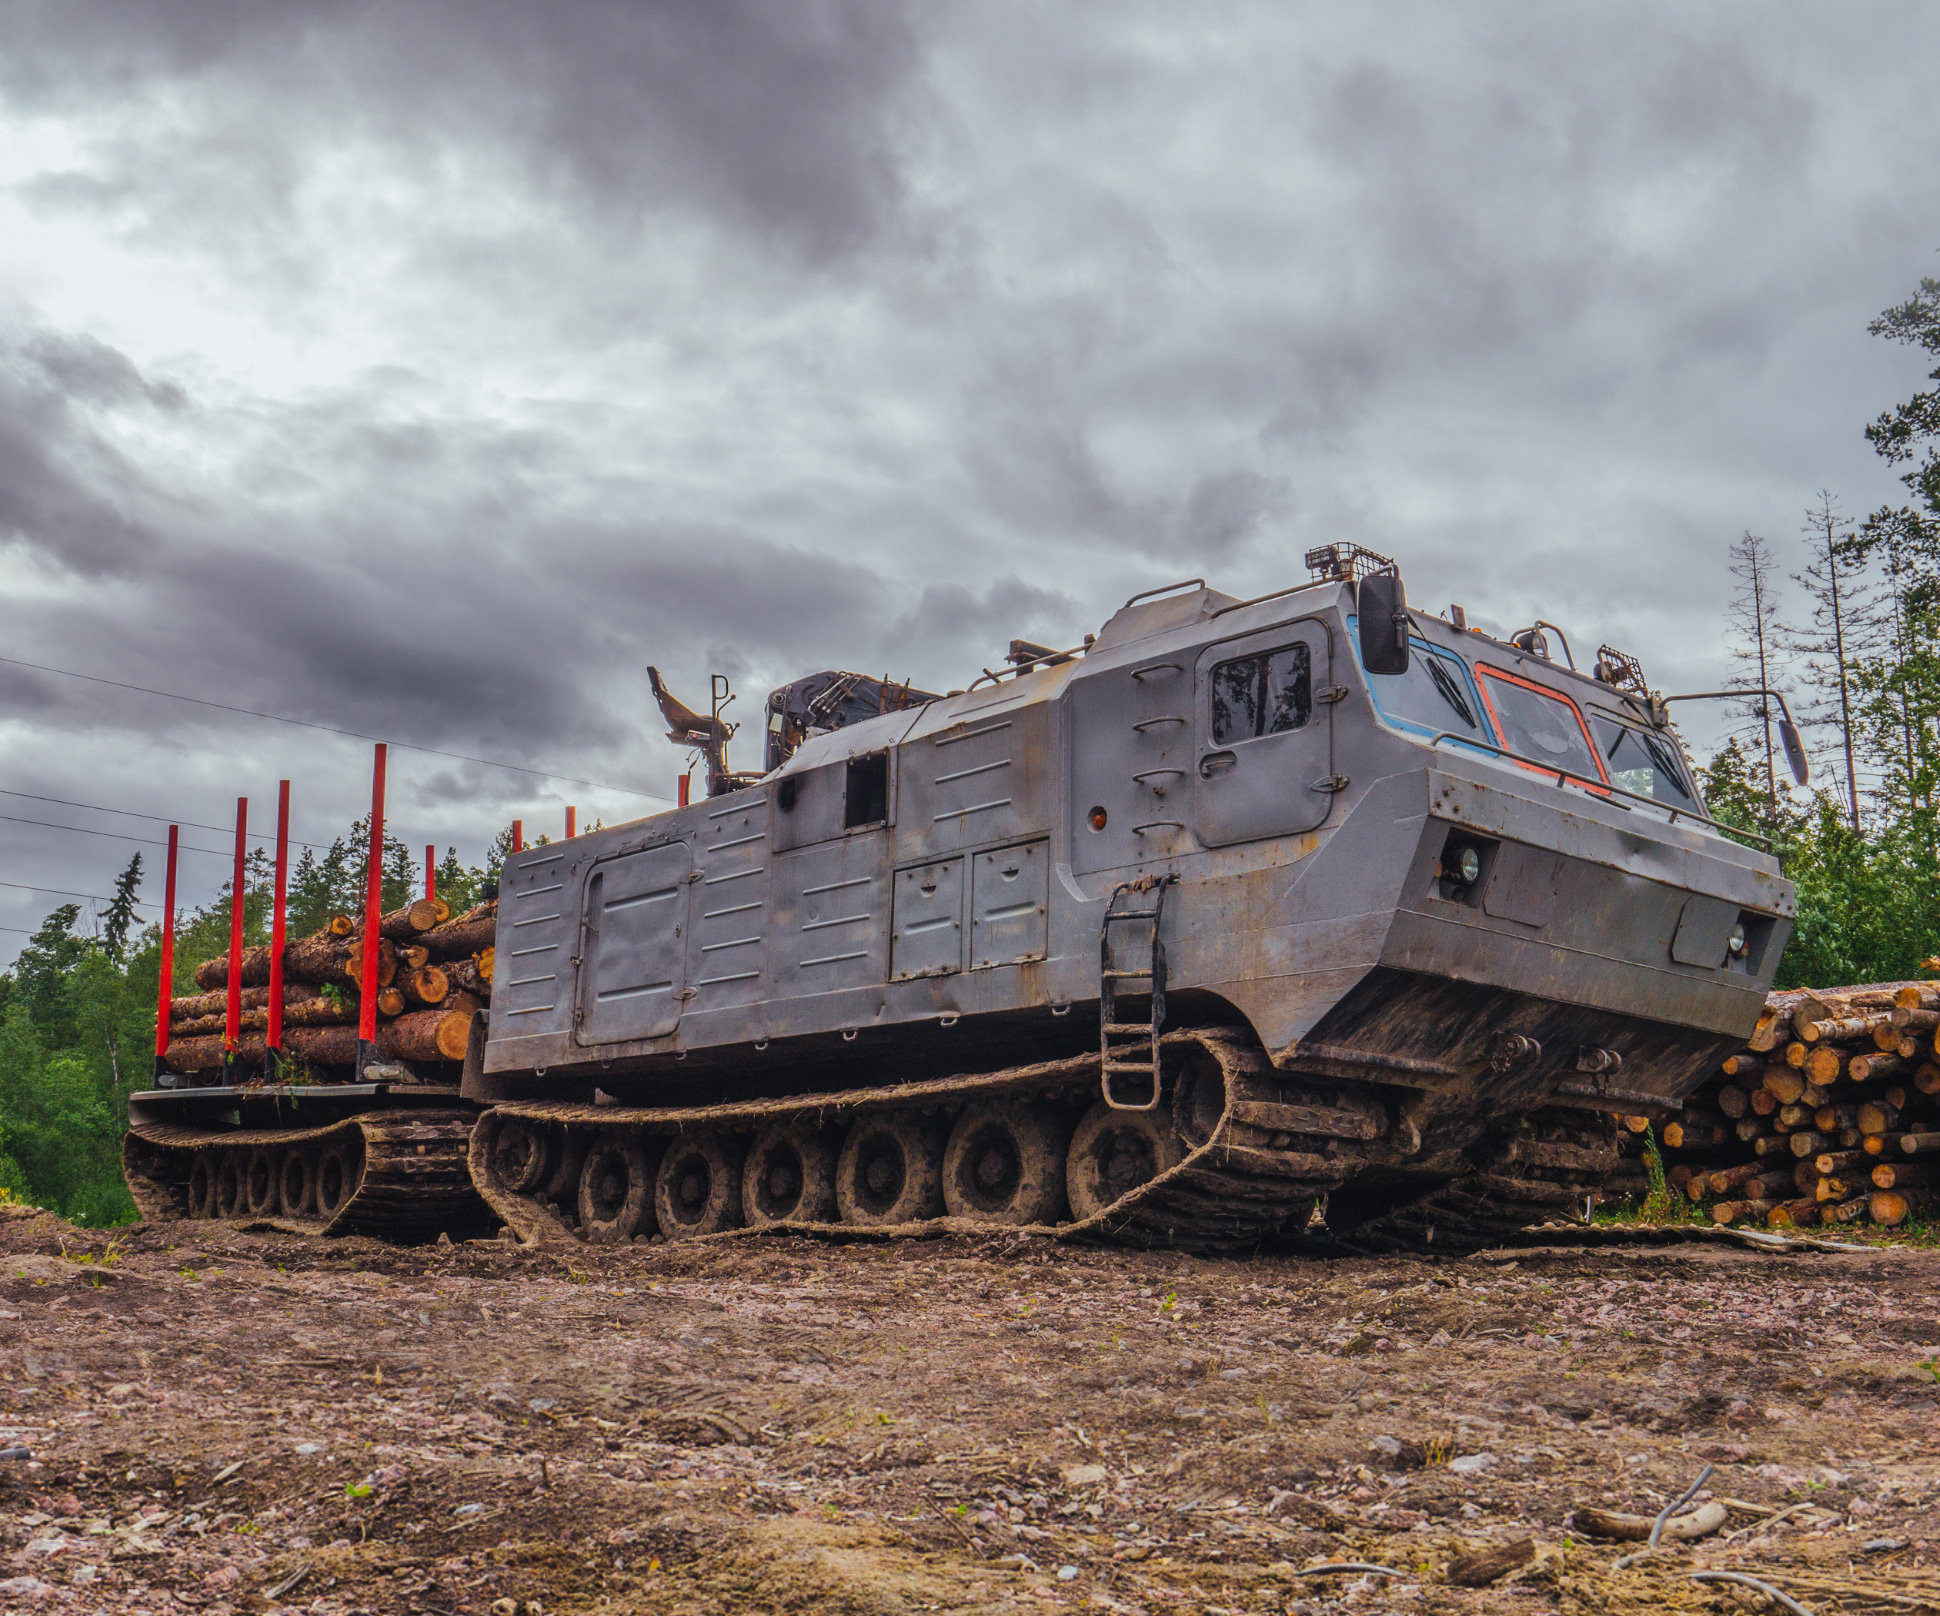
1214,764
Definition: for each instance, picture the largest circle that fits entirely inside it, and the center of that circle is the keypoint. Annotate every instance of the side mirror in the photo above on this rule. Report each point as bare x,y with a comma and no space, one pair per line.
1788,732
1384,623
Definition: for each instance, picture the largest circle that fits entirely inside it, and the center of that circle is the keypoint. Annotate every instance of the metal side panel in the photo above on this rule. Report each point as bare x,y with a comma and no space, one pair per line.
1265,726
1010,905
928,937
986,777
728,934
538,920
1131,751
831,917
633,952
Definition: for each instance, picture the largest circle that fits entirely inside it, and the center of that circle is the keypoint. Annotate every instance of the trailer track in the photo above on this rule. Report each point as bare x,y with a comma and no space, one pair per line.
394,1174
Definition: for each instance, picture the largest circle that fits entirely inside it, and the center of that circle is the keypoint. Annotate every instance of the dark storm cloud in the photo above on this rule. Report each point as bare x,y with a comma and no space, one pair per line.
782,118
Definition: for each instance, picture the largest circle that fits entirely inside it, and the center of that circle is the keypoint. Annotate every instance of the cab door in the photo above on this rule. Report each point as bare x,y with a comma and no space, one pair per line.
1264,734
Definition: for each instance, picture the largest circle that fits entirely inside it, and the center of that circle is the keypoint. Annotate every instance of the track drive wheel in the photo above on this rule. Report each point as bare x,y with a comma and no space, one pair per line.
339,1167
1113,1152
698,1187
789,1176
229,1185
1004,1163
616,1188
203,1172
890,1170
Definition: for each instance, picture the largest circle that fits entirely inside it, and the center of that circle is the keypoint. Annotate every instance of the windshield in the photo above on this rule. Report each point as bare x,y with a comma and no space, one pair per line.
1539,724
1435,694
1642,762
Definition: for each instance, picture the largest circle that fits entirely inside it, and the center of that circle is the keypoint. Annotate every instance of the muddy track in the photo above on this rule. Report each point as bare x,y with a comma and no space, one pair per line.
1237,1182
396,1175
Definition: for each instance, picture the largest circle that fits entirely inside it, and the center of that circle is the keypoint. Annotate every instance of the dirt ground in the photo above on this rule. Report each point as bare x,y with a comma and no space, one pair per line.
228,1420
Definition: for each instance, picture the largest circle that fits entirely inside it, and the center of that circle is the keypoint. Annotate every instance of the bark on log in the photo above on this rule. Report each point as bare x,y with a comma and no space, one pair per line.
1918,995
1843,1030
1870,1068
412,956
464,934
425,987
1891,1207
341,926
323,1046
319,1012
1744,1067
1835,1118
320,959
1729,1212
205,1054
1807,1142
426,1035
1919,1144
216,1004
1911,1175
1606,1523
214,973
1927,1079
1877,1117
1775,1020
1785,1084
1799,1214
407,925
465,976
1839,1161
1847,1211
1479,1570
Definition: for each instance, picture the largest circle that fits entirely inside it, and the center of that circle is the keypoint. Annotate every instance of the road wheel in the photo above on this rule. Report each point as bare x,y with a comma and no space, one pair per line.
789,1176
260,1183
698,1187
616,1188
297,1184
521,1155
1113,1152
890,1170
202,1183
339,1166
1004,1163
229,1185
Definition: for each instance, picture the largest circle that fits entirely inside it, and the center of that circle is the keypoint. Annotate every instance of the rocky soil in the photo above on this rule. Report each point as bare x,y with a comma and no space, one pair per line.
226,1420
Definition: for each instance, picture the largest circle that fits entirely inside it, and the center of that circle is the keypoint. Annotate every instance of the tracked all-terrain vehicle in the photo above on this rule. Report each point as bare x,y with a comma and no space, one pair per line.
1239,905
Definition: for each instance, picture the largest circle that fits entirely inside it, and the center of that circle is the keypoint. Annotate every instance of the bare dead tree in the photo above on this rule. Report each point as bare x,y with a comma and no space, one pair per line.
1843,624
1754,617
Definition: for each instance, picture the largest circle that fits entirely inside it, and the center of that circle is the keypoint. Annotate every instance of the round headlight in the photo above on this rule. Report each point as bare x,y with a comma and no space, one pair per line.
1466,865
1736,942
1098,818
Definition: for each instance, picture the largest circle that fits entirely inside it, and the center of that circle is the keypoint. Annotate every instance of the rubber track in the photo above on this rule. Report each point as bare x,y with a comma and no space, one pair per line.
414,1183
1485,1209
1228,1194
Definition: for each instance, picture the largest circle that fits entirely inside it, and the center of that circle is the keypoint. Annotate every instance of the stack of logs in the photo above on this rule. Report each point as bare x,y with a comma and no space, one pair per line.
433,970
1831,1116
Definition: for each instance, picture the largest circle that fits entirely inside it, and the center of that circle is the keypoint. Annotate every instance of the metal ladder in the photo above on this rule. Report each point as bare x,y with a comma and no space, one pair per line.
1131,1048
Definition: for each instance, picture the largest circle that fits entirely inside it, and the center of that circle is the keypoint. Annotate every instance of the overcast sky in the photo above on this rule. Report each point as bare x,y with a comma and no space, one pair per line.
425,370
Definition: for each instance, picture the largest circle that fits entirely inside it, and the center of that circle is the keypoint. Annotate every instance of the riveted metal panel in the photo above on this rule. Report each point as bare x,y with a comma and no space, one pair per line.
633,948
532,988
1010,905
831,921
727,940
928,938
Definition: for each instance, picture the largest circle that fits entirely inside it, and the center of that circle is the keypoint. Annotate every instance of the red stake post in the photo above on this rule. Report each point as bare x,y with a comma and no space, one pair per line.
431,873
168,949
518,836
274,1038
232,1023
373,897
686,785
572,823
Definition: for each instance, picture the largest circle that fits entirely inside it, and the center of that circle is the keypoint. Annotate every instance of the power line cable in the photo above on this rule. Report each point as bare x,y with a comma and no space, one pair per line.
115,835
62,892
332,729
160,819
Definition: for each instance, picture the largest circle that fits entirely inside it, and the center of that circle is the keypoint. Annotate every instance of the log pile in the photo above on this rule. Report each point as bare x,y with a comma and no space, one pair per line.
1830,1117
434,969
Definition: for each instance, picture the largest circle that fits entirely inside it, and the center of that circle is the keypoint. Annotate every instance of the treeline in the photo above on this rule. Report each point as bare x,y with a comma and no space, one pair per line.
1862,669
77,1011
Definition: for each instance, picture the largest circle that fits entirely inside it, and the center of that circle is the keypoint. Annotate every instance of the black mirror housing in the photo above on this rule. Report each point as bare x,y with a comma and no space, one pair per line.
1384,623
